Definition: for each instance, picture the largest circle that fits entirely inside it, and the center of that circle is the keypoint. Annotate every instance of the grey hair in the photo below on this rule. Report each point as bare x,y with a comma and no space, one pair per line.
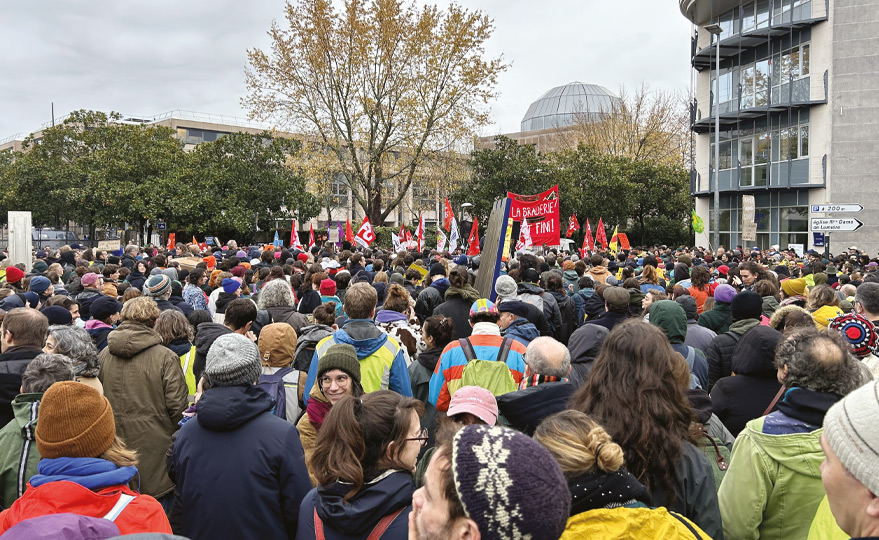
818,361
276,293
868,296
131,249
546,356
44,371
76,344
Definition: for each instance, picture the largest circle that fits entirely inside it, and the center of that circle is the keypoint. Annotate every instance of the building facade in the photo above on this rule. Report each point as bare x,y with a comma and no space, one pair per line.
798,108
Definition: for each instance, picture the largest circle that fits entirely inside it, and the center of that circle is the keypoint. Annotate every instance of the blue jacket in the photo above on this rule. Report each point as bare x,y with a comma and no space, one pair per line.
240,471
355,519
382,364
522,331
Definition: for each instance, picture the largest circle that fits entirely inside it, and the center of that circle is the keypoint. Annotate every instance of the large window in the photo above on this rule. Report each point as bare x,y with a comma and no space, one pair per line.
781,218
751,85
340,190
198,136
422,197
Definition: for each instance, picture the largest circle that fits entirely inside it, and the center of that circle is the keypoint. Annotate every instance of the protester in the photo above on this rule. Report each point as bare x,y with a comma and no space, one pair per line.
277,300
746,310
92,290
514,322
143,381
192,293
616,303
239,472
240,315
584,345
698,336
719,318
85,468
862,339
432,295
277,347
363,460
22,335
458,298
669,316
76,345
397,319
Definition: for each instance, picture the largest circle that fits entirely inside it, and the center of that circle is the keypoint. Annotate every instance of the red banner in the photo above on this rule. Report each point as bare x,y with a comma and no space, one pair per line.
588,242
573,225
600,236
542,213
473,239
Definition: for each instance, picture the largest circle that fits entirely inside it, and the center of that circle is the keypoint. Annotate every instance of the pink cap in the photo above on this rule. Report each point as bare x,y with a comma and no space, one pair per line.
474,400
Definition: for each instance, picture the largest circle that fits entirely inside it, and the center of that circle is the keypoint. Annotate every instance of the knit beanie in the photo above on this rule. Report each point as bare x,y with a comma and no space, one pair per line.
436,269
505,287
40,266
14,274
157,285
277,344
724,293
232,360
794,287
57,315
858,332
852,432
327,287
230,285
39,284
75,421
340,356
747,305
512,501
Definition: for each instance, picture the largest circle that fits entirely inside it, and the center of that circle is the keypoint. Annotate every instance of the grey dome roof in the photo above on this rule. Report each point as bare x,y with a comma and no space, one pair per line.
559,106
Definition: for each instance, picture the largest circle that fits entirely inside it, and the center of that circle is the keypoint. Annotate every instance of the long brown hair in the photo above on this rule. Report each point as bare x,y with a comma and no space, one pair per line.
352,444
635,391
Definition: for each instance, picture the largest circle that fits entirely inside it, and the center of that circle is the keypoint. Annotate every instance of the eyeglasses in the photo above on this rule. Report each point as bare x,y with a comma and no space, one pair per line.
340,380
422,436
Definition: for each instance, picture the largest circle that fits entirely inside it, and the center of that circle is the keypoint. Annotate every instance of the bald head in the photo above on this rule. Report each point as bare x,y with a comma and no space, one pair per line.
546,356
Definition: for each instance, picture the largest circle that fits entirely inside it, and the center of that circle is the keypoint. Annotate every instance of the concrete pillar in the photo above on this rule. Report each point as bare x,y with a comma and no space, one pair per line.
20,240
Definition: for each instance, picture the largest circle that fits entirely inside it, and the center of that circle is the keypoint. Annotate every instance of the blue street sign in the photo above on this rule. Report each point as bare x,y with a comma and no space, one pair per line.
160,226
818,239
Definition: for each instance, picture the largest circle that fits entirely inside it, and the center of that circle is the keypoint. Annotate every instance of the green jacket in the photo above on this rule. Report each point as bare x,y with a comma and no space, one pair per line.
773,486
671,318
18,446
717,319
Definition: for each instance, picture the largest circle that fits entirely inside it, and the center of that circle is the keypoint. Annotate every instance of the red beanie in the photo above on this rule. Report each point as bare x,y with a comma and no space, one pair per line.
14,274
327,287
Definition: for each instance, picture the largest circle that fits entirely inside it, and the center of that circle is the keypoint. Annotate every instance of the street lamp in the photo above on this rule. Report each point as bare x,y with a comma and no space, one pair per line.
715,30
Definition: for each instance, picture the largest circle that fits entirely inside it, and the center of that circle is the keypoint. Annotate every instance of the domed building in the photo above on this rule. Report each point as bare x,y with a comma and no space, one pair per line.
552,114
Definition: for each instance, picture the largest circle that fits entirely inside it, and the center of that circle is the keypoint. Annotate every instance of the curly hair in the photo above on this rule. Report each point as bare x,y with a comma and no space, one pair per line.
76,343
822,295
818,361
636,392
276,293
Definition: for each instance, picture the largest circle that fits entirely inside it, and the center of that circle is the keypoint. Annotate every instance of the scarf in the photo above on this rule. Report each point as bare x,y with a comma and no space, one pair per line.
594,490
466,293
534,380
807,405
91,473
486,329
317,412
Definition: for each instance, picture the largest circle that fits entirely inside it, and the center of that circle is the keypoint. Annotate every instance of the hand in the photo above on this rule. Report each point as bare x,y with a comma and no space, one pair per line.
251,336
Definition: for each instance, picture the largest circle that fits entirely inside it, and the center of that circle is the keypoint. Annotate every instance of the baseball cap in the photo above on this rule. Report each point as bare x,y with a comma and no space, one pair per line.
474,400
483,305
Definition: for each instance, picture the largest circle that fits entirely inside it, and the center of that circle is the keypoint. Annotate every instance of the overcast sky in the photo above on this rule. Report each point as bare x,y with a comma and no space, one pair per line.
147,58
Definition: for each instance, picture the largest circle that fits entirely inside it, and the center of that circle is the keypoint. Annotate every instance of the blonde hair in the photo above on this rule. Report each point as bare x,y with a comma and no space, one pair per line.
380,277
120,455
142,309
579,444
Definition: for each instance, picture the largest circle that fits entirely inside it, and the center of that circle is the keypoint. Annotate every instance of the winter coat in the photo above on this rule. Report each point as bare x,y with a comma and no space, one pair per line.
145,386
718,319
88,487
98,331
625,522
397,325
85,299
195,297
584,345
307,342
522,331
599,274
382,364
593,306
430,298
289,315
531,293
136,279
741,398
525,409
571,281
608,319
770,306
773,486
309,301
356,518
18,448
568,312
698,336
457,307
12,364
240,470
580,298
179,303
420,372
719,353
670,318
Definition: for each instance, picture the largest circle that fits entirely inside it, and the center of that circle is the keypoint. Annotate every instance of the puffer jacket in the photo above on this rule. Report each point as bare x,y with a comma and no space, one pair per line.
626,522
430,298
145,386
568,312
720,352
584,345
457,307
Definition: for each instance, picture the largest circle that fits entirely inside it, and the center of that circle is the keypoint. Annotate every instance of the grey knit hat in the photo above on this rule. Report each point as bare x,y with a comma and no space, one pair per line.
157,285
505,287
233,359
852,433
512,501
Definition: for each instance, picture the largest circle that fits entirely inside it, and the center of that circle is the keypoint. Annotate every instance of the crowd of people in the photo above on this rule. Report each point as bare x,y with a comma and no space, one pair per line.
353,393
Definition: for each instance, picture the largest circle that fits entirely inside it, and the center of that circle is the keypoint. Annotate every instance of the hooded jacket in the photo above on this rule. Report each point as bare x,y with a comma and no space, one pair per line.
531,293
571,281
739,399
670,317
599,274
568,312
18,448
239,470
355,519
522,331
204,338
719,353
289,315
773,486
382,363
307,342
430,298
145,386
12,364
584,346
525,409
457,307
770,305
718,319
631,522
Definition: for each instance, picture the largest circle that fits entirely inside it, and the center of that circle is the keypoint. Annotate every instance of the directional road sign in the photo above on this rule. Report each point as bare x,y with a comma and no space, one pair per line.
825,208
834,224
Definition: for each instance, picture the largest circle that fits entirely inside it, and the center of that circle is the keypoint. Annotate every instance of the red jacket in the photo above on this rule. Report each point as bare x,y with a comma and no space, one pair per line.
143,514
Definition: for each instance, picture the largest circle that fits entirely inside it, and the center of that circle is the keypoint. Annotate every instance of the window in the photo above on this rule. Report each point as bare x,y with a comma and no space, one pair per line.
339,188
422,197
746,162
804,141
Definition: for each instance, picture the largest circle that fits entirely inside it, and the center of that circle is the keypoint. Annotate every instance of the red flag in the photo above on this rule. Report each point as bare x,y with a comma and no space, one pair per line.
420,232
365,235
349,234
624,241
203,246
408,239
600,237
583,249
588,238
573,225
473,239
310,236
402,233
171,242
448,215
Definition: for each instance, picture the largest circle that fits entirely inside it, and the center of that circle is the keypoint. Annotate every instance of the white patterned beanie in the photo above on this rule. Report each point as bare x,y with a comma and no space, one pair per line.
852,433
509,484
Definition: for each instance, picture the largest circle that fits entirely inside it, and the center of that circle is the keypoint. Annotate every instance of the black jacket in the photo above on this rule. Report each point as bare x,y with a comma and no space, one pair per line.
720,352
593,307
165,305
739,399
457,308
85,299
136,279
568,310
239,471
584,345
430,298
12,364
181,304
204,338
525,409
608,320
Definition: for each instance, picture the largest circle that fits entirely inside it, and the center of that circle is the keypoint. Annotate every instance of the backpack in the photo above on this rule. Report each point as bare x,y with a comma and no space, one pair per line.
493,375
273,384
718,455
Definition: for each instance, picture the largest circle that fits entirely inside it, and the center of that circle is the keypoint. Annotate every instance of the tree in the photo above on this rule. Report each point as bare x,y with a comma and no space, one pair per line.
379,85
